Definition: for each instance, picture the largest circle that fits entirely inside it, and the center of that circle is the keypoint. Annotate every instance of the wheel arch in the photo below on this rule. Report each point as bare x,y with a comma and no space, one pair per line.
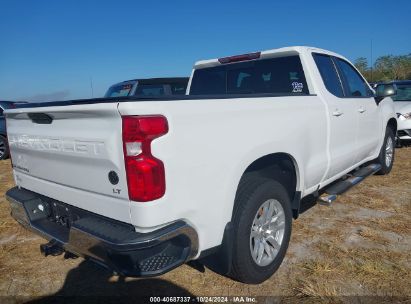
220,258
392,123
281,167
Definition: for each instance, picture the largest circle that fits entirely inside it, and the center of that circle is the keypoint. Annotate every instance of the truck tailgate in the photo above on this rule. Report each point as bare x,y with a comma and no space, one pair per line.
73,154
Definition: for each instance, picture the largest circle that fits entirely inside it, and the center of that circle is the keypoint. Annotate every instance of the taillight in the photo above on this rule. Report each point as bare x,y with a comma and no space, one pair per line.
145,173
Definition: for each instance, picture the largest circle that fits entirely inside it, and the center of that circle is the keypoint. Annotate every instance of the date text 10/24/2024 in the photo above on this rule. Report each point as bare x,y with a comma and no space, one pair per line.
205,299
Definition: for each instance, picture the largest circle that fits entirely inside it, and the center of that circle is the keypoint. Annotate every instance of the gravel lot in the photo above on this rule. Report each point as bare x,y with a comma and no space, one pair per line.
361,246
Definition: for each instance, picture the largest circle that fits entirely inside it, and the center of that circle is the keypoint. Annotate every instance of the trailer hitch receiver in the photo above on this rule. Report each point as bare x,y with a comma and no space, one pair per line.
51,248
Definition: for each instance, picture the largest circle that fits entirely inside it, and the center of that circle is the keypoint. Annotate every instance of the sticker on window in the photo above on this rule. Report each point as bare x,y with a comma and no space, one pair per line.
297,87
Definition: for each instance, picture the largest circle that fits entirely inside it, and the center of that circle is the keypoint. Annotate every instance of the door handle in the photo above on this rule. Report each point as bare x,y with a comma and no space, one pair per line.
337,113
361,110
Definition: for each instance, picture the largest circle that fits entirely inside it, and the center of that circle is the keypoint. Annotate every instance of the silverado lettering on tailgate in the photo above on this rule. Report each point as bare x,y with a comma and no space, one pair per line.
56,145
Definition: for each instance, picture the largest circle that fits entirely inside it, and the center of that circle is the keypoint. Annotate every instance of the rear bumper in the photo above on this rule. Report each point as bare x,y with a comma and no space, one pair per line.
110,243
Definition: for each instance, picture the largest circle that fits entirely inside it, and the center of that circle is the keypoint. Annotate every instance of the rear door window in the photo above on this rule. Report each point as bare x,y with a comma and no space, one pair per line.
329,74
283,75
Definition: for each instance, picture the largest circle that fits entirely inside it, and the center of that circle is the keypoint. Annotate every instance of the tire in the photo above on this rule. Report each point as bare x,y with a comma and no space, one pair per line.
4,148
387,148
252,193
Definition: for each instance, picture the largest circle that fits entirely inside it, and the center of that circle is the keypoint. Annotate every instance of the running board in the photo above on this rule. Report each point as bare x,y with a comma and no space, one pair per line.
338,188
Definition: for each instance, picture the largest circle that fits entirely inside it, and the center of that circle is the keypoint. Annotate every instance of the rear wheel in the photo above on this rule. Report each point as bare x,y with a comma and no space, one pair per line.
262,229
387,153
4,148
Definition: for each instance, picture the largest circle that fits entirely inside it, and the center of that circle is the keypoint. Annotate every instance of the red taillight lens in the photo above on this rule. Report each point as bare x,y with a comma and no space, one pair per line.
139,128
145,173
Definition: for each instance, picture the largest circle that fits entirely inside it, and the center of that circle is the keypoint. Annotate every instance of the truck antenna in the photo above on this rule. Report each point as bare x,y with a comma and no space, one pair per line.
91,87
372,66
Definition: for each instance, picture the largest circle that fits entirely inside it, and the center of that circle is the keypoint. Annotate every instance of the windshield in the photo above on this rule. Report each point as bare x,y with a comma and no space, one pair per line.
403,92
119,90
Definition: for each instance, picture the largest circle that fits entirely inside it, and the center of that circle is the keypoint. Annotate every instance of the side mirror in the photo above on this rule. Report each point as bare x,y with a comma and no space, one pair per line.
384,90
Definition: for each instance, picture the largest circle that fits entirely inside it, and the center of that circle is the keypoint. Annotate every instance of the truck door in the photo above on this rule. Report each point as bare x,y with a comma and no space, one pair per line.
369,122
343,117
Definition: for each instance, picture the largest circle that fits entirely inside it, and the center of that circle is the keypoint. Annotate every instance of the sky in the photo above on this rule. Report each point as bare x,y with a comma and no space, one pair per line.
55,50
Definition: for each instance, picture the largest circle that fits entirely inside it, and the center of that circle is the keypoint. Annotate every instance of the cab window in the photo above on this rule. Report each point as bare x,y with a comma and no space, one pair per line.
354,84
329,74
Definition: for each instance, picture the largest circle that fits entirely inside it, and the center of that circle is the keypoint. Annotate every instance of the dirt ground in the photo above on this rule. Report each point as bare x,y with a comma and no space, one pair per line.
359,249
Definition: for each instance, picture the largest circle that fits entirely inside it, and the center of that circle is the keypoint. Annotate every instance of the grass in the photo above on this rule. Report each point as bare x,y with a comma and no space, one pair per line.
374,236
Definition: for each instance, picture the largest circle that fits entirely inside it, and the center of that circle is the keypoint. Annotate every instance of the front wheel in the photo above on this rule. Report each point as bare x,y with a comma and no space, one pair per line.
4,148
262,229
387,153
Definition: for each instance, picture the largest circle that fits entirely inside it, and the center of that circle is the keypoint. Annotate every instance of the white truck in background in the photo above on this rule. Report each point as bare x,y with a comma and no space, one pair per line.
143,185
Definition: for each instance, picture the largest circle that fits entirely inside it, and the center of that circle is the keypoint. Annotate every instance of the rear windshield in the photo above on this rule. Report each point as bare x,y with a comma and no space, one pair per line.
283,75
119,90
403,92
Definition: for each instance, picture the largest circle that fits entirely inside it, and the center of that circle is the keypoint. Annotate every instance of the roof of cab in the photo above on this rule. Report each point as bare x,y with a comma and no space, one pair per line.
292,50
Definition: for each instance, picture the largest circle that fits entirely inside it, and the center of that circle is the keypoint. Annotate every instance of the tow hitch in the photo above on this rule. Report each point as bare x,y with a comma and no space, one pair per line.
51,248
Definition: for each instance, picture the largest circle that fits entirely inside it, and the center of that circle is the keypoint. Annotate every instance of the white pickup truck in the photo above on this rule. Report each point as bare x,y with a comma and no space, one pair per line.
143,185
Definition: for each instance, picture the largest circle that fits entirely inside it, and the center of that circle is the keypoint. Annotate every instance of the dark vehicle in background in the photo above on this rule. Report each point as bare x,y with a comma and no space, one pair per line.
4,148
3,141
149,87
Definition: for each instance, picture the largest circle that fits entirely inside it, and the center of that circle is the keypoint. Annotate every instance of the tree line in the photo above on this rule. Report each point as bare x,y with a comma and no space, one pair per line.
385,68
